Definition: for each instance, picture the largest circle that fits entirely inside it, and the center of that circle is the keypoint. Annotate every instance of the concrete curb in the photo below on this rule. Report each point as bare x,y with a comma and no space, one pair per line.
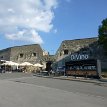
80,80
101,81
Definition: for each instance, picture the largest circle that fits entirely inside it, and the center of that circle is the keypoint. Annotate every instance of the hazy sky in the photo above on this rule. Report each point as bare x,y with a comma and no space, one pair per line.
49,22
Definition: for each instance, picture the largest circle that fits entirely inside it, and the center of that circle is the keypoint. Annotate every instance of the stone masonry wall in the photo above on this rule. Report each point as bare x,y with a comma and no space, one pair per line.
74,46
5,54
88,46
26,53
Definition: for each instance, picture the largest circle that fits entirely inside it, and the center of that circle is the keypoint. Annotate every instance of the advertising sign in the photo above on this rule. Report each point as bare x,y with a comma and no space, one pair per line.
79,57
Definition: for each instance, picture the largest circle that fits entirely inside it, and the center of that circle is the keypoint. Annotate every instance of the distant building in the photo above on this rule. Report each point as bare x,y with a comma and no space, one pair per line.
26,53
69,50
68,47
78,49
45,53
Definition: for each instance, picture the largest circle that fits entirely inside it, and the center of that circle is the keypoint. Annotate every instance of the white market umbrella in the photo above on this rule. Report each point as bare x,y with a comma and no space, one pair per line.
26,64
38,65
10,63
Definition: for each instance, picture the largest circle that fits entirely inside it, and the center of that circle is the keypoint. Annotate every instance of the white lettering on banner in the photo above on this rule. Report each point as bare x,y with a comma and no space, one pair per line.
79,57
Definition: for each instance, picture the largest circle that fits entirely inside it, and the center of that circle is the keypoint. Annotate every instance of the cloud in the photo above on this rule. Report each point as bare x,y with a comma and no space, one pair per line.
24,19
24,36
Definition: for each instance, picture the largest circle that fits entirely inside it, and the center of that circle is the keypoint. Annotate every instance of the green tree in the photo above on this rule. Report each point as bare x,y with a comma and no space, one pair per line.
103,34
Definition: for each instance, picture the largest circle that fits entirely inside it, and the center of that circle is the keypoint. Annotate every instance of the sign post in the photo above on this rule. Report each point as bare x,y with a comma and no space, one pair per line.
99,68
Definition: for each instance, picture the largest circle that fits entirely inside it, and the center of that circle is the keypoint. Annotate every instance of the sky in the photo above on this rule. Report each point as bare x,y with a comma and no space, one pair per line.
49,22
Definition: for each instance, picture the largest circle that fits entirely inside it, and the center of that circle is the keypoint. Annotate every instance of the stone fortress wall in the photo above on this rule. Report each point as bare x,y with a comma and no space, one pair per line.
87,46
26,53
34,53
5,54
72,46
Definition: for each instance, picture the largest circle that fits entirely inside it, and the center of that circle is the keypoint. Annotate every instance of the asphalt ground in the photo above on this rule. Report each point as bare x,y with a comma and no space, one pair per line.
26,90
10,75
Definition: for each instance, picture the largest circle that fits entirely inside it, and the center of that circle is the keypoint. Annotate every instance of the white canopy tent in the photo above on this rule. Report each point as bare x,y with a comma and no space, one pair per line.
10,63
38,65
26,64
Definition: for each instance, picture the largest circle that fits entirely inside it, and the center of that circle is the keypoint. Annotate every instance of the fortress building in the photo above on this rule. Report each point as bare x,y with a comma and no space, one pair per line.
75,54
85,50
27,53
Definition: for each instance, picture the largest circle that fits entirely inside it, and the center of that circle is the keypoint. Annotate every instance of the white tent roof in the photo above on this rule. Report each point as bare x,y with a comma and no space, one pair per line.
38,65
26,64
10,63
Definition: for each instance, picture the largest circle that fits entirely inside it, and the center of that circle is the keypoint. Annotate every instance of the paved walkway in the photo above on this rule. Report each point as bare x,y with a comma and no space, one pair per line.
102,81
16,94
